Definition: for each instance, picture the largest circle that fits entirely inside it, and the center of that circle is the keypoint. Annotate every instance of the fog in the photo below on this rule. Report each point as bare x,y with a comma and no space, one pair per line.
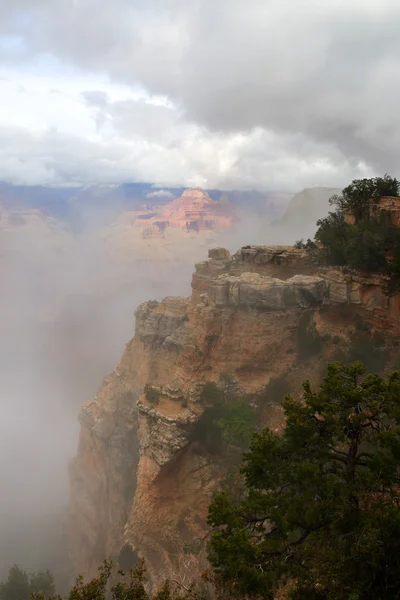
66,312
65,317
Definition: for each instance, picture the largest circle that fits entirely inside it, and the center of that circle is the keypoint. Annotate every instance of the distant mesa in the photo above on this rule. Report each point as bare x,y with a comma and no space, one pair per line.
193,211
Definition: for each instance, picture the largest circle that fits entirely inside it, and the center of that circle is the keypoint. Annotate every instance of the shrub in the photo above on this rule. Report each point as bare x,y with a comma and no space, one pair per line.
238,422
226,420
152,394
371,244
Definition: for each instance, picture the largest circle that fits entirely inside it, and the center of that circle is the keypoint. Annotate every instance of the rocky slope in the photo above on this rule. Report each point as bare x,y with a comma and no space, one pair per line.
140,480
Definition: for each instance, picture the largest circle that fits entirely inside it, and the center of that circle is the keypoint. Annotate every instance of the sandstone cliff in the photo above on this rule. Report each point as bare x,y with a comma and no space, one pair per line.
139,479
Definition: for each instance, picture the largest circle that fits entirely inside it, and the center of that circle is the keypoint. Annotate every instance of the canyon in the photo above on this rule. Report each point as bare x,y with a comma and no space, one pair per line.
74,265
141,481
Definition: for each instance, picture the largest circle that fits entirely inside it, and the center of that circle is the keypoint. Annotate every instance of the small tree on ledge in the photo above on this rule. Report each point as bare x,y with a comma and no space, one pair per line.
152,394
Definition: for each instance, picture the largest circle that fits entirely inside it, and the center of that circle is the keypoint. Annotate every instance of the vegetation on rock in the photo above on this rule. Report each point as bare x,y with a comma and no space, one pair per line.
226,420
120,585
371,243
152,394
321,513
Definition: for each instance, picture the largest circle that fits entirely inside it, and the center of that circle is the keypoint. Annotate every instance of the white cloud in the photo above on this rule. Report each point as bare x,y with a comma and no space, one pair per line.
160,194
221,93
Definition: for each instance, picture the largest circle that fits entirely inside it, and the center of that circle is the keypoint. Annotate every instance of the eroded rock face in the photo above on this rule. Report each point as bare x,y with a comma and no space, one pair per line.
156,321
139,477
267,293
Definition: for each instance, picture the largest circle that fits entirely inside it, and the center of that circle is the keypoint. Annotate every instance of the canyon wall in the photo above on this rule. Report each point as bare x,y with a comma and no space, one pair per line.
140,479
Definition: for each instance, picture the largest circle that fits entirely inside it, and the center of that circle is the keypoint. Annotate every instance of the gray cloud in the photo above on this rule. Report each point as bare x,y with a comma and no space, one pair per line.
321,71
185,156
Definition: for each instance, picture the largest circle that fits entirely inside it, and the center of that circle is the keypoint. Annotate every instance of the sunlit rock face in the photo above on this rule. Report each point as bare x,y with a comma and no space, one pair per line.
195,210
139,478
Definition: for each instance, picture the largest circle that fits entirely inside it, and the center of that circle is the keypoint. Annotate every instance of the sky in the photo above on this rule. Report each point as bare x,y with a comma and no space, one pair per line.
245,94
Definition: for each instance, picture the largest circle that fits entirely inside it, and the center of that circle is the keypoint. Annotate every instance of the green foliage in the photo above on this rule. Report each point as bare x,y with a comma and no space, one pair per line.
322,506
17,585
309,342
113,584
357,196
152,394
238,422
20,585
372,243
42,582
226,420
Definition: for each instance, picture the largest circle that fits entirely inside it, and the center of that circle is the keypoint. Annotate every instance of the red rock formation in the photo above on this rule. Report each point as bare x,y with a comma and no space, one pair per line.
139,478
194,211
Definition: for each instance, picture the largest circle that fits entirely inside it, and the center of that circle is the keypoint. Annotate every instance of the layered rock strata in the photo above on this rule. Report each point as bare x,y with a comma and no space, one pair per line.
140,479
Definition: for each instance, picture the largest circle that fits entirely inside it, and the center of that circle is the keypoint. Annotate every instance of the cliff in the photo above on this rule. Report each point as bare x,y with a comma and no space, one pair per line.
140,479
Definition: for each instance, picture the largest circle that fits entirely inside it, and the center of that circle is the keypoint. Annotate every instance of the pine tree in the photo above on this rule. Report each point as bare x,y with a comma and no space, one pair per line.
321,513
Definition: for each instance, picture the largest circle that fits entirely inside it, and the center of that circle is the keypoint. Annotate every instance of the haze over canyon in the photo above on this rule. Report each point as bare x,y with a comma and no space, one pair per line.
164,168
75,264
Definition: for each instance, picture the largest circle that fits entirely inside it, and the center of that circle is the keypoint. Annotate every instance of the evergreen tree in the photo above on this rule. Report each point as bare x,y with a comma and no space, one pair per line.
321,514
17,585
20,585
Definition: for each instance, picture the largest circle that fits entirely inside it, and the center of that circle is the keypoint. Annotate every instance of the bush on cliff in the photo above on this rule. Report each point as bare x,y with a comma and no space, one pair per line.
371,244
152,394
356,197
321,513
226,420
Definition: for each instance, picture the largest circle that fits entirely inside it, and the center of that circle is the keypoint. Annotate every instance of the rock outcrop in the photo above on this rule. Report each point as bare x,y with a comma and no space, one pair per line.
140,479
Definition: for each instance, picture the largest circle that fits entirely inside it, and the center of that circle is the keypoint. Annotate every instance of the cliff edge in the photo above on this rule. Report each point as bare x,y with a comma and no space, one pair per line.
140,480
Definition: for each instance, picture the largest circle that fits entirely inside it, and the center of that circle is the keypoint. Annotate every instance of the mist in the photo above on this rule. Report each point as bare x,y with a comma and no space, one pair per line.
66,312
65,316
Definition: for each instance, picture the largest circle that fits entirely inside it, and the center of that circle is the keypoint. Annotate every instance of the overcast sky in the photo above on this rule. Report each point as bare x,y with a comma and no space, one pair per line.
268,94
